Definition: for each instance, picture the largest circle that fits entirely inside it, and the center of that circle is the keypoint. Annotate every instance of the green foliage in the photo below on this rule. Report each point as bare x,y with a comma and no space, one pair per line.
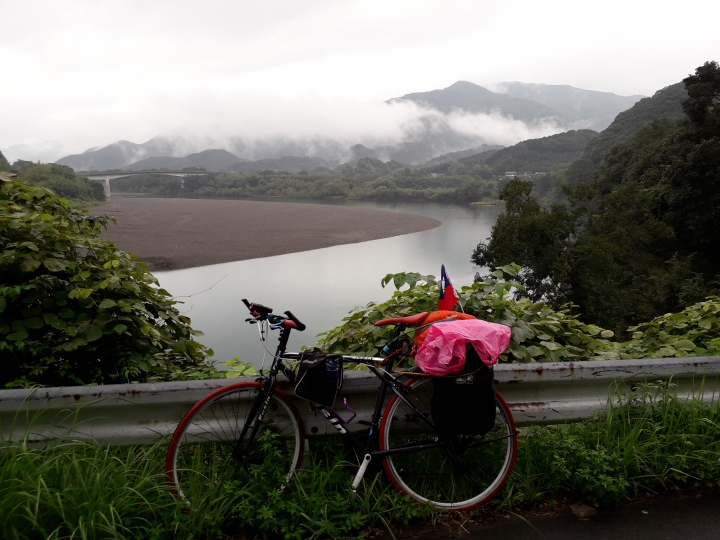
640,239
545,154
4,165
81,490
666,103
693,332
318,503
76,310
468,186
652,442
539,333
535,238
63,181
154,184
237,369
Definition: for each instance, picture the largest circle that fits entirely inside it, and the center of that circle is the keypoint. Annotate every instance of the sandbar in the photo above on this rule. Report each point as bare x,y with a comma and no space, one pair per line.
171,234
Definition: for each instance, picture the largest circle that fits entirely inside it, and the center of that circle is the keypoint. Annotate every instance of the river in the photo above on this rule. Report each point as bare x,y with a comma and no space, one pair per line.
321,286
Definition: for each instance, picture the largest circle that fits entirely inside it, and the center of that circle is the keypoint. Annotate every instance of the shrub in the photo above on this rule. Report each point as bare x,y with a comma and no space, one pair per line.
76,310
539,333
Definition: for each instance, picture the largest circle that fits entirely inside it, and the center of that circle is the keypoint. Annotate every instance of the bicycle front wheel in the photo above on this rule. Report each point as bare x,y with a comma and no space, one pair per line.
206,454
464,473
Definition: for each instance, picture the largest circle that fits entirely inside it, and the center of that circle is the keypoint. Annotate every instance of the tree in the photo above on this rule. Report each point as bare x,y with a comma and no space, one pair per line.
4,165
536,239
76,310
690,177
639,240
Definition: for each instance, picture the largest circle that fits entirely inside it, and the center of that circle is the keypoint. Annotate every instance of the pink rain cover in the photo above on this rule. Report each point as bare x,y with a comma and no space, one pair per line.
443,351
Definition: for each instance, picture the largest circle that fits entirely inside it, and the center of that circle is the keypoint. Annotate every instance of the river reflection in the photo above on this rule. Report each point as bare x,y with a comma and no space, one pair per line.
321,286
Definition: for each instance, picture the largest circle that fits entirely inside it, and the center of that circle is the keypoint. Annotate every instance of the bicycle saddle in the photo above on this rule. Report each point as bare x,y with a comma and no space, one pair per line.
411,320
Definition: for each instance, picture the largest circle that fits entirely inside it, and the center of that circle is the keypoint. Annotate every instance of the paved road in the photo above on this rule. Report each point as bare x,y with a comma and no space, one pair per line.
663,517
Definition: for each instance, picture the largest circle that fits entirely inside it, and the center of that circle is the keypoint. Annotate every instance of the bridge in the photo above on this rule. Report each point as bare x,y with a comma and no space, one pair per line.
105,177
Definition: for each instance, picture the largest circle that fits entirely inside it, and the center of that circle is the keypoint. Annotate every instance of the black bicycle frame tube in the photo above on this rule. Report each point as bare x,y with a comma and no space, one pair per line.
257,413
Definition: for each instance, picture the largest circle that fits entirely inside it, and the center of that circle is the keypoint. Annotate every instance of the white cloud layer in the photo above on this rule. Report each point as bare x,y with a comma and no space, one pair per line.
83,73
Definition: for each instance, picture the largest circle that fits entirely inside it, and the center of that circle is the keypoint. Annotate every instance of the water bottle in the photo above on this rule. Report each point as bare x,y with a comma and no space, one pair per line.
332,369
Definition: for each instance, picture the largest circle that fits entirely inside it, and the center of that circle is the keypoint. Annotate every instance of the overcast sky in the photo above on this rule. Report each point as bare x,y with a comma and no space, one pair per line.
82,73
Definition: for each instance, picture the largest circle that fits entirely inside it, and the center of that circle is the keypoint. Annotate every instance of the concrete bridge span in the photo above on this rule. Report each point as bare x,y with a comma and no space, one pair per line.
106,177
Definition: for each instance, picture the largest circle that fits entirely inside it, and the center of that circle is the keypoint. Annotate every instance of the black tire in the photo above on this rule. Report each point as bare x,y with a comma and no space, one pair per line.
456,477
202,453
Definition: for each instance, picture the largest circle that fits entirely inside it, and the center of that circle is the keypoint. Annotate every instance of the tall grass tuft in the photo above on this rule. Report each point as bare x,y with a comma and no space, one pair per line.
651,443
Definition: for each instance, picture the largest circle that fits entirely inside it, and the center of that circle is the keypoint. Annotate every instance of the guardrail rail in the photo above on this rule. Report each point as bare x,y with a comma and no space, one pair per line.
144,413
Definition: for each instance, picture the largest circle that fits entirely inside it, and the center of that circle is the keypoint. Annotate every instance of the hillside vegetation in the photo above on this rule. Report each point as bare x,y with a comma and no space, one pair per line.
60,179
545,154
640,239
462,179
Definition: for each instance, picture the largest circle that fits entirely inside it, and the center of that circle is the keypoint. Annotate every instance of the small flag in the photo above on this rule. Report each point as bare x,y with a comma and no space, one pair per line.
448,296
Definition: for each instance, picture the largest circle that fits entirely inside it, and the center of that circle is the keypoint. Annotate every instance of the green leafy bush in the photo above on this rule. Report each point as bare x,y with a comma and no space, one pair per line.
539,333
76,310
695,331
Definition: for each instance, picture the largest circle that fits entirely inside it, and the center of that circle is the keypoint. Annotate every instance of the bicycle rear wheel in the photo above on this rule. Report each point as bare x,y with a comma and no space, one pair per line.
460,475
204,455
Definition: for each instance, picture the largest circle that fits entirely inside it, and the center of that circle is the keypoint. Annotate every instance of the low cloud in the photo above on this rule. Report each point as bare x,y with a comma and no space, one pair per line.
256,126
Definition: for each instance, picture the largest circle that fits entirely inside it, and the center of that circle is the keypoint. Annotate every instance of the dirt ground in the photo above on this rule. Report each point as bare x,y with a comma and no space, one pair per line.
689,515
182,233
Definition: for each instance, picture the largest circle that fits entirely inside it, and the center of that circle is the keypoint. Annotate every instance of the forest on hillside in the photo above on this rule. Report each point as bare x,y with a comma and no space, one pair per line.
59,178
639,238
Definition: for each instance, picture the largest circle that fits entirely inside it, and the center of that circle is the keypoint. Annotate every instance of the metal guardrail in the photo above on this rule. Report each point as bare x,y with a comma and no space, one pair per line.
144,413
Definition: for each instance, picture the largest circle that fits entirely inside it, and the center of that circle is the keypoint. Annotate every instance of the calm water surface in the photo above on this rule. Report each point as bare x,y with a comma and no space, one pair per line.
321,286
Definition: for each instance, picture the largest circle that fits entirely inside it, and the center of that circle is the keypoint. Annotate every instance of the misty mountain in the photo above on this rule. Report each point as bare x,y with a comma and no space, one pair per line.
472,98
433,134
455,156
292,164
120,154
579,108
368,166
545,154
665,103
356,153
210,160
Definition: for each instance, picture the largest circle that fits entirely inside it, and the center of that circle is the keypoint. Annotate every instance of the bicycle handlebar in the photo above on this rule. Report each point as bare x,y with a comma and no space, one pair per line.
258,310
293,318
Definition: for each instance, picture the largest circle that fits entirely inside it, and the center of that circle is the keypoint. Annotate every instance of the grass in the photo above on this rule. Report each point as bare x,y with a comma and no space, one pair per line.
651,443
84,491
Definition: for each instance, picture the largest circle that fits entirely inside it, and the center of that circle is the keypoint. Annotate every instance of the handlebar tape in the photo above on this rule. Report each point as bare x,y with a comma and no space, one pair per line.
293,318
257,308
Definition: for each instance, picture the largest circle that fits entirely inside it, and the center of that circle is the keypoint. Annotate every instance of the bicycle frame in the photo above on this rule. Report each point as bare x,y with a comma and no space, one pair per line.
388,381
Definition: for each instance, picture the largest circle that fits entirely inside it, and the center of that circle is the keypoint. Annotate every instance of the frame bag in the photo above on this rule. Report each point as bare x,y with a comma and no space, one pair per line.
320,377
464,404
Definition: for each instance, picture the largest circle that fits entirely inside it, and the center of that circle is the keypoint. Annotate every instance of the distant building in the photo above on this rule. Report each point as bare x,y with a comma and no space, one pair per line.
510,174
540,174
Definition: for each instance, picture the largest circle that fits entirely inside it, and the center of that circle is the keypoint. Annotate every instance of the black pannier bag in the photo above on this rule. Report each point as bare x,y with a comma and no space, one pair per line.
464,404
319,378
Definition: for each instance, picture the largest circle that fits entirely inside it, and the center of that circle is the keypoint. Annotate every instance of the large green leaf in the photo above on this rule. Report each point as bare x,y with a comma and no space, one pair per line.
54,265
30,265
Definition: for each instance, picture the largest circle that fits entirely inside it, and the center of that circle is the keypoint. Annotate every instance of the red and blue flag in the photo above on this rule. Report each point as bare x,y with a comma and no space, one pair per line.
448,296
